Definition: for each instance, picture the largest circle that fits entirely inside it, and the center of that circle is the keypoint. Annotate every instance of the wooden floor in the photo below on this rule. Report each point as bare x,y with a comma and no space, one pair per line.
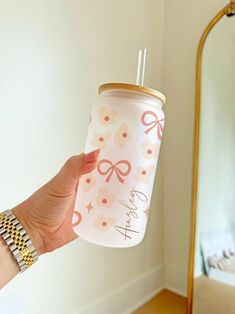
212,296
165,302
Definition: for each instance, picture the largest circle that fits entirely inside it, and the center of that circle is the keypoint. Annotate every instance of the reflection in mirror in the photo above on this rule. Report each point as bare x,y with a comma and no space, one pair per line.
214,271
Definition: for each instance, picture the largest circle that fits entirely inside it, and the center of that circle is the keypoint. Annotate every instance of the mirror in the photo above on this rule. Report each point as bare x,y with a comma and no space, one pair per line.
213,273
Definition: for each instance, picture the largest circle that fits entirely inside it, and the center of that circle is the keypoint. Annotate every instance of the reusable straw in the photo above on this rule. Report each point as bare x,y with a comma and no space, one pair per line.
141,65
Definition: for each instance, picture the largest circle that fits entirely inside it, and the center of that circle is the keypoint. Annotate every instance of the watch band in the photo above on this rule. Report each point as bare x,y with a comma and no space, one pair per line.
17,240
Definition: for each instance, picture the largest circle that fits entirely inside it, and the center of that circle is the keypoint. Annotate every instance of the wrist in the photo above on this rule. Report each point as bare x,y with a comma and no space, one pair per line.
22,213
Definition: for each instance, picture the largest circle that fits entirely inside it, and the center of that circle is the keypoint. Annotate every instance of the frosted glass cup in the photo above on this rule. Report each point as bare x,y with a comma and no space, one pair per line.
113,201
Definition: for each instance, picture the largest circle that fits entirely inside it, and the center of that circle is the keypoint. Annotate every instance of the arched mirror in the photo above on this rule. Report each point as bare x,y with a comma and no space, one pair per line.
212,259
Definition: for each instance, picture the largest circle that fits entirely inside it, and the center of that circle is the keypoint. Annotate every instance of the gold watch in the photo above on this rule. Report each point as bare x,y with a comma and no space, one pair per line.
17,240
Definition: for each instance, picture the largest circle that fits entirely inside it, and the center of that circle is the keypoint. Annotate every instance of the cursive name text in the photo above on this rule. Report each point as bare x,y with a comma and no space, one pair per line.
131,209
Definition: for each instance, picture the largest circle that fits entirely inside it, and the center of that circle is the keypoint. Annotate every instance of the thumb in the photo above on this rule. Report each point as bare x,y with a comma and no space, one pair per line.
76,166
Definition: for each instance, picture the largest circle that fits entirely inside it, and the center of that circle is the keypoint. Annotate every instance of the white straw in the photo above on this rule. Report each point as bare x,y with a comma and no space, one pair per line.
139,67
143,68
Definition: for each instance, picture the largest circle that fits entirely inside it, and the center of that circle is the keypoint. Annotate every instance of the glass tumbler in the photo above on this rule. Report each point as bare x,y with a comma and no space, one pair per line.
113,201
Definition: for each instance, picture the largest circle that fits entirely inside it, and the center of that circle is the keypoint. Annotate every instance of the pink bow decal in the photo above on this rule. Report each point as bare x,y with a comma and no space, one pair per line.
154,122
110,168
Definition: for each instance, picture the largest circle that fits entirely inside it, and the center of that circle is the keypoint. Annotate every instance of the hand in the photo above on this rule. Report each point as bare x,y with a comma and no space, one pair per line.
47,214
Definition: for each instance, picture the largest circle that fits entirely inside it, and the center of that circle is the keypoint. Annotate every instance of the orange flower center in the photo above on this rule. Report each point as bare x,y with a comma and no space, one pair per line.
104,201
104,224
101,139
143,172
124,134
88,180
106,118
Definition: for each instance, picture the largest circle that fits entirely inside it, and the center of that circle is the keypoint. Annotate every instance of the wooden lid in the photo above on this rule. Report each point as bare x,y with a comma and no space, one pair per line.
133,88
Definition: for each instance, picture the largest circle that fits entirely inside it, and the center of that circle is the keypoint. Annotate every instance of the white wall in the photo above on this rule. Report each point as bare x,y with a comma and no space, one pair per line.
53,56
185,20
216,201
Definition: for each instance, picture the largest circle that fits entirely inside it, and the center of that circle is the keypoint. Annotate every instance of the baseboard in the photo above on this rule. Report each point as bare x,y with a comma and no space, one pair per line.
130,296
144,300
182,293
176,280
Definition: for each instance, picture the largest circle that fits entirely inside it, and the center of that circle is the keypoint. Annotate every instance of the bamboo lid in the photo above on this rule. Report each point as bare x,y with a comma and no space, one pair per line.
134,88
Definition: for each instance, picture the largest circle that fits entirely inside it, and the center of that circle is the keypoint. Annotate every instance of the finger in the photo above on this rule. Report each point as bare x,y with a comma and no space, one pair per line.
88,167
92,156
74,168
86,163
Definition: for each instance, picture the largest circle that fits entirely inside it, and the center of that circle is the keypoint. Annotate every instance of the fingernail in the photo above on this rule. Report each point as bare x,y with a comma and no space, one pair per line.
92,156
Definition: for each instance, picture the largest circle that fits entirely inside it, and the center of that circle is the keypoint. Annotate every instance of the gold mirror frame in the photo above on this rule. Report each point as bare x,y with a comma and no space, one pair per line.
228,9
